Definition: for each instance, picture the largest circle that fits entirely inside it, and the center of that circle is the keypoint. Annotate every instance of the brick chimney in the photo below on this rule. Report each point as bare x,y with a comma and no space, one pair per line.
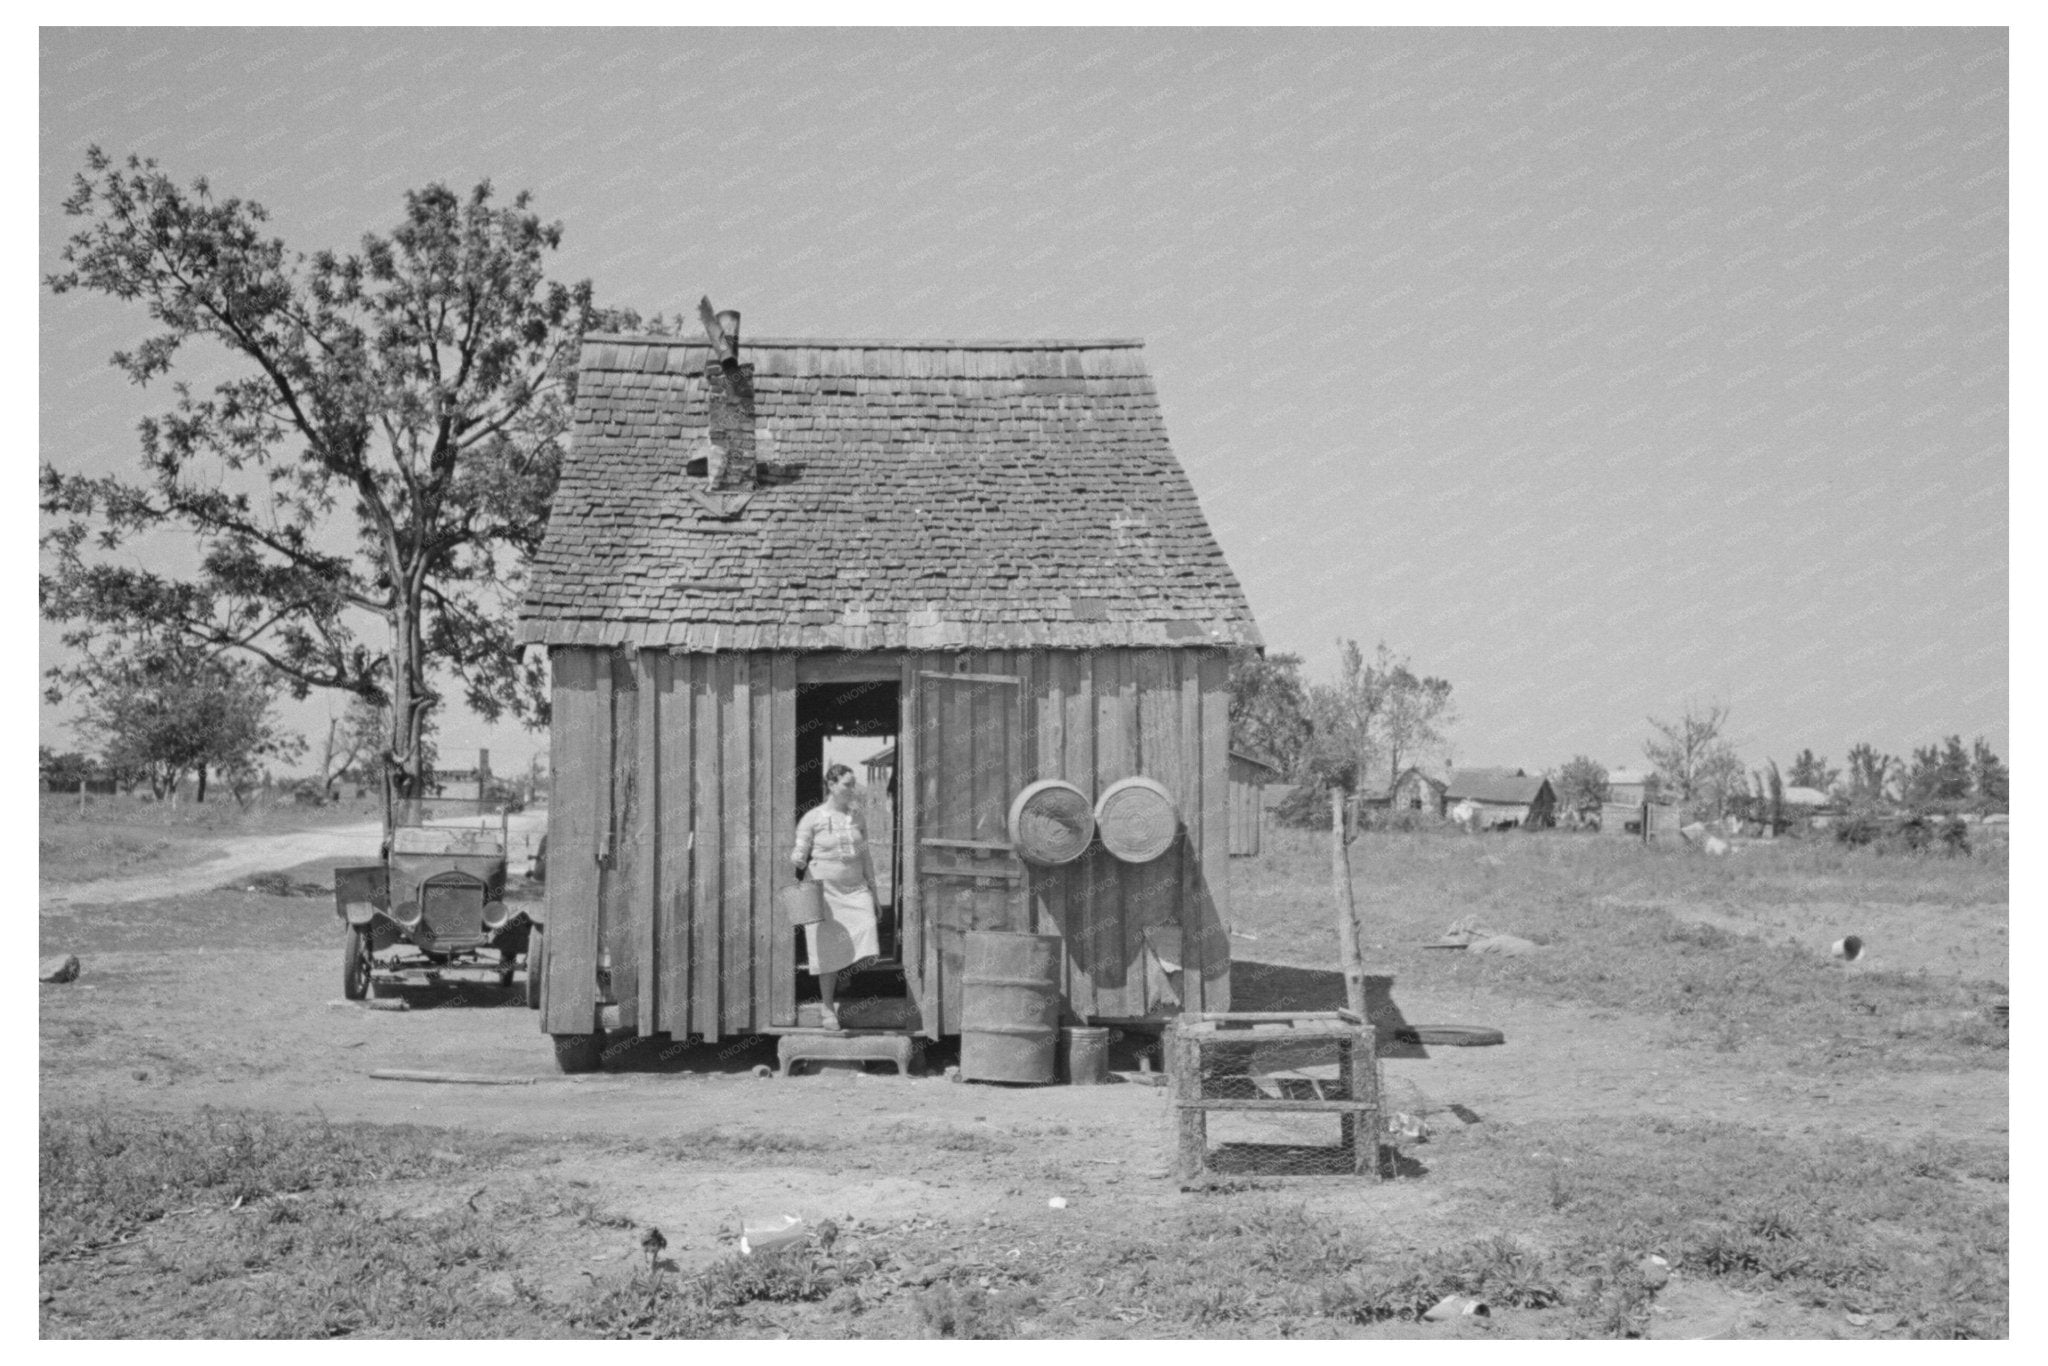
730,465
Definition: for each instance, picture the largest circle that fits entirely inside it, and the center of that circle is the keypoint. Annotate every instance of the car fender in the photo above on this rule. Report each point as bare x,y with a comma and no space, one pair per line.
360,892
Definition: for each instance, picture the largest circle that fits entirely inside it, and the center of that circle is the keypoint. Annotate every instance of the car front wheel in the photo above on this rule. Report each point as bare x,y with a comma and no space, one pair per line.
355,964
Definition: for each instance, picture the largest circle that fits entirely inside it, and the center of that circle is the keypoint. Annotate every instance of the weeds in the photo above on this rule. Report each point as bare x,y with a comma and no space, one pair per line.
103,1174
656,1304
968,1312
1498,1269
1829,1222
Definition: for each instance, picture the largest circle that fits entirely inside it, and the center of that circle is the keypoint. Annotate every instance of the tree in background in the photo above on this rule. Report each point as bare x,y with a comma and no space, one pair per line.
1939,774
354,739
1695,762
1811,771
1362,728
65,772
1344,744
1414,715
1269,707
1582,786
420,388
1870,773
165,708
1990,780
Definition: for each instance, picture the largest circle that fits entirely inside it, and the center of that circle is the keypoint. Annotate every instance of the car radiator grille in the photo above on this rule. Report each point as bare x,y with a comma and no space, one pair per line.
452,909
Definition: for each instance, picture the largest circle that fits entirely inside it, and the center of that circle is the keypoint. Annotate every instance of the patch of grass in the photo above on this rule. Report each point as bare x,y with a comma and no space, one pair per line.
105,1173
1634,929
655,1304
77,852
234,1225
724,1142
1833,1222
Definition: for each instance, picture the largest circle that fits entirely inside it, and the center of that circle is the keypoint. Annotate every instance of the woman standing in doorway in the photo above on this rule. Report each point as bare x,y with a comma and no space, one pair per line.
832,848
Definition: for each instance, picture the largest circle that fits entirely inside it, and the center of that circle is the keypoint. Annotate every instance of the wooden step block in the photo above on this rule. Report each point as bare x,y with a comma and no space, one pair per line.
845,1047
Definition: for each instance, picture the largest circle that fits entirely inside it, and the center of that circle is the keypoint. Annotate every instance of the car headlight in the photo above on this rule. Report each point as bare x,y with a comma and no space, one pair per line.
495,915
406,913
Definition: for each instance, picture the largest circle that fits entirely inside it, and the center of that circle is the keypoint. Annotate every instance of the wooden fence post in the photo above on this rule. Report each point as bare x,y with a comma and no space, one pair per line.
1347,916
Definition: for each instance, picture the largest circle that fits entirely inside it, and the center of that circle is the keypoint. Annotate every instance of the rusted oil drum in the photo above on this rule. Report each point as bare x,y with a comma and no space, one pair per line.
1051,822
1136,820
1010,1007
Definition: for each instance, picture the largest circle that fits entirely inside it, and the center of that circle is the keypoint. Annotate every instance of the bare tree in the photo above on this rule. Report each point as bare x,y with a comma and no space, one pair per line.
1695,762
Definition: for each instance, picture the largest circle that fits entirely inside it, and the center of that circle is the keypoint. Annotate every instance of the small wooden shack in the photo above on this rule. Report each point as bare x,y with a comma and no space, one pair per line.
1249,775
982,553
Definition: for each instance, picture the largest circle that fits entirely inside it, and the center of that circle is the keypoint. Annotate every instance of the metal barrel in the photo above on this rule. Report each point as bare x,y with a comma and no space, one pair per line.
1009,1007
1087,1055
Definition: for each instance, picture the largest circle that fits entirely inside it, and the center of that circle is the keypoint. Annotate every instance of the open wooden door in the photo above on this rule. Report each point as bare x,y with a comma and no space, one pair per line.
965,764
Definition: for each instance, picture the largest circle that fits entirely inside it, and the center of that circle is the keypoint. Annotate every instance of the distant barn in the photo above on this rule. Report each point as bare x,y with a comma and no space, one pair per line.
983,554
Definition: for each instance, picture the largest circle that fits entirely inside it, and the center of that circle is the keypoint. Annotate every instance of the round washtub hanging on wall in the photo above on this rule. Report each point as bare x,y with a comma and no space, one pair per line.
1136,819
1051,822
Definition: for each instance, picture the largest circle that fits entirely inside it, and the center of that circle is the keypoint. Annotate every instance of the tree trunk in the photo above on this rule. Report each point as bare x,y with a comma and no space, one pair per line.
410,702
1347,913
200,797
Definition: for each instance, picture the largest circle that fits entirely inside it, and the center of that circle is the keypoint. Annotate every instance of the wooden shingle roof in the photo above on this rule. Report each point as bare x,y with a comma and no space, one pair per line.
925,495
1494,785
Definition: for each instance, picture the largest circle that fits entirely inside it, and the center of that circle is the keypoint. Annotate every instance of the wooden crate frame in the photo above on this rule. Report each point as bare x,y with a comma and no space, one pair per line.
1358,1112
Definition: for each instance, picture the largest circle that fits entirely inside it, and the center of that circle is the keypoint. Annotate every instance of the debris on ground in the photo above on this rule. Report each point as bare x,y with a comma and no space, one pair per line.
1716,845
1409,1128
1656,1272
1456,1306
1510,945
1057,1202
772,1231
63,968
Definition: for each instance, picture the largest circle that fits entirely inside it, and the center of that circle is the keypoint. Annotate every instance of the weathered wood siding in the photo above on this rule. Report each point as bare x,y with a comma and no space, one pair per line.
674,802
1141,940
671,772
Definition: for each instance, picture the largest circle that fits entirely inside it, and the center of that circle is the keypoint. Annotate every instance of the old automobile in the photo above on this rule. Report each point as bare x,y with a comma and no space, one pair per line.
437,900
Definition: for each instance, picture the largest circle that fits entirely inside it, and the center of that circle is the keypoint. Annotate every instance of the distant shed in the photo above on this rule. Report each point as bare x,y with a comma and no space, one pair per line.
1249,776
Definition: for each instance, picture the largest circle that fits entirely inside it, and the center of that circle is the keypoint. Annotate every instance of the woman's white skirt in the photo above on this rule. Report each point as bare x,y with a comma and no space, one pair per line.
847,934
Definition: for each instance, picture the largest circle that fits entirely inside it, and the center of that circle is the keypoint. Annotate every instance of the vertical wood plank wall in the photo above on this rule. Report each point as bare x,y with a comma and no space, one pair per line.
674,802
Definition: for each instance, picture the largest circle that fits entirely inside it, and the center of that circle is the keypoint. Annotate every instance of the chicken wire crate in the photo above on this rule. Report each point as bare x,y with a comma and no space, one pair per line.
1275,1094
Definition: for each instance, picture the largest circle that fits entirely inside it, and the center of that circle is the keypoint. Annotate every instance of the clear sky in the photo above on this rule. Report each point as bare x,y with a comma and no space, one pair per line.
1595,370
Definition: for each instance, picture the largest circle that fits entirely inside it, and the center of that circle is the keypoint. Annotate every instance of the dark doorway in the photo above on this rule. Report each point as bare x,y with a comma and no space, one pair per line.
869,712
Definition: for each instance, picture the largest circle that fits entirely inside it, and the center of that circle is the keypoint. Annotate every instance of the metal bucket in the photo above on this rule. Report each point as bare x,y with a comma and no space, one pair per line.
804,903
1086,1055
1009,1007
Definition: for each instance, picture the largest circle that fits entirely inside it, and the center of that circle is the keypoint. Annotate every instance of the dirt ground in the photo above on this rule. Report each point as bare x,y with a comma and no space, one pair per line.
243,1010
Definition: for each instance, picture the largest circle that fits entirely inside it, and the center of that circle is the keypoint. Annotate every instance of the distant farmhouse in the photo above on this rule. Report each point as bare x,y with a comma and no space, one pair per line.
1418,792
1504,797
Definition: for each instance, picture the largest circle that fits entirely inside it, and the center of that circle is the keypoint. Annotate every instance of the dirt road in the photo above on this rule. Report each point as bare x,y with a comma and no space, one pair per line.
240,856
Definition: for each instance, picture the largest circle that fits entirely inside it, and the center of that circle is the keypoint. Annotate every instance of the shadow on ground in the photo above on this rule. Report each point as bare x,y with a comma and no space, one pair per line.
1275,986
